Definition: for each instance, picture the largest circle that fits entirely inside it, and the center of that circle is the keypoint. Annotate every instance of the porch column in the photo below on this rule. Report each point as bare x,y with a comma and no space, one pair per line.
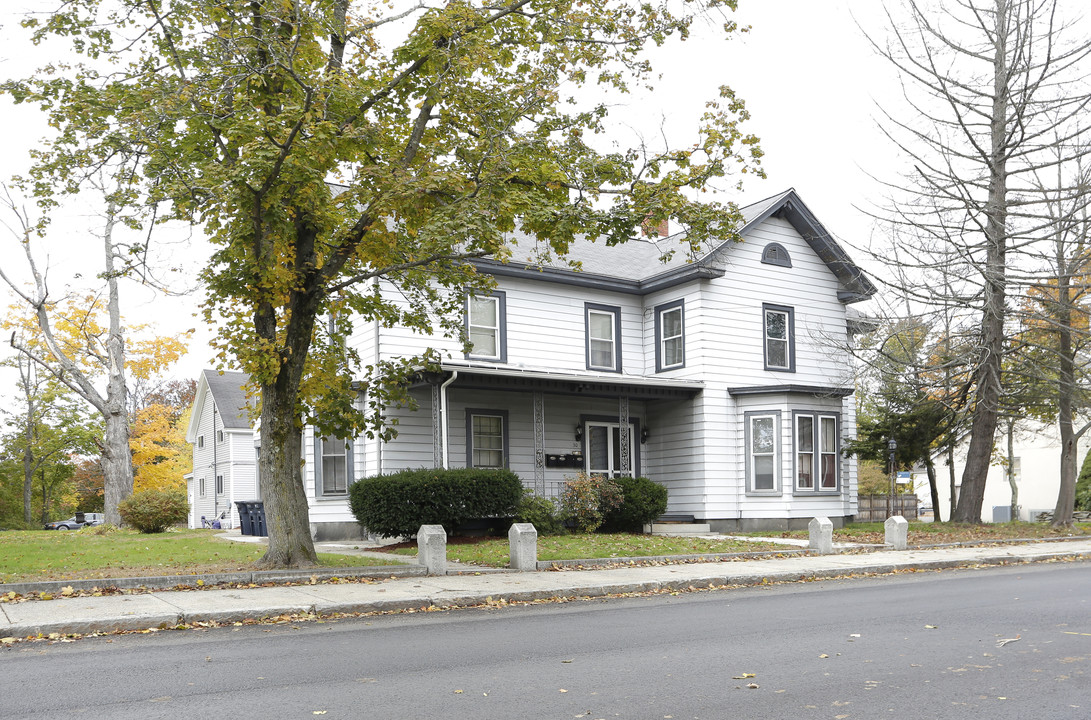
539,444
437,429
623,434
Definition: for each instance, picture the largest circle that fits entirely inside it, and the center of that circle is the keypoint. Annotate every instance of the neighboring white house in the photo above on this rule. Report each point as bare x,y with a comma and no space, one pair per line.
1037,453
224,460
724,377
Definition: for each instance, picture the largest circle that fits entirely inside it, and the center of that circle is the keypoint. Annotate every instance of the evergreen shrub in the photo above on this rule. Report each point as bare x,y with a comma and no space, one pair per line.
397,504
541,512
1083,484
153,511
642,501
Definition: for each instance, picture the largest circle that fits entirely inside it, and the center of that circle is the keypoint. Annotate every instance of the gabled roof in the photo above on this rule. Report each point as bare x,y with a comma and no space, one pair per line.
641,268
227,391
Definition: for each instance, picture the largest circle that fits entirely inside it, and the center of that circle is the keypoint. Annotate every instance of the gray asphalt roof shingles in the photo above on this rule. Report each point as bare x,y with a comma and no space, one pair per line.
229,394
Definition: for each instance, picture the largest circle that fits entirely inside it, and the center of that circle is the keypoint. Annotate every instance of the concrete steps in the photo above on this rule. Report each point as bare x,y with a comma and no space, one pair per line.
680,528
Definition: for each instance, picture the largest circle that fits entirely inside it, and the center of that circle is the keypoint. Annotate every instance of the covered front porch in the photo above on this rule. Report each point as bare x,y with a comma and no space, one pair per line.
545,426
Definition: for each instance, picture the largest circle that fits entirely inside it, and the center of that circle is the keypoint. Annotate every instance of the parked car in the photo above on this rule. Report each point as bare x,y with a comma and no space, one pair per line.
76,522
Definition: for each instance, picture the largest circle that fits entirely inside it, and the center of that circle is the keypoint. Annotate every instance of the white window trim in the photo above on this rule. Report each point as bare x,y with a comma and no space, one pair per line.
749,418
817,452
662,338
319,463
788,339
614,314
472,413
497,299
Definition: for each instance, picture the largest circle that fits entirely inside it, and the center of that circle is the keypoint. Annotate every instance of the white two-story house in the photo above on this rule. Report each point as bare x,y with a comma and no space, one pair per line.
724,377
224,461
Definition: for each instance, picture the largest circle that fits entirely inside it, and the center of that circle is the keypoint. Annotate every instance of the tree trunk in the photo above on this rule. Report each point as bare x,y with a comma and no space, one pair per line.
1066,387
933,486
281,478
26,376
951,479
117,464
1011,470
987,376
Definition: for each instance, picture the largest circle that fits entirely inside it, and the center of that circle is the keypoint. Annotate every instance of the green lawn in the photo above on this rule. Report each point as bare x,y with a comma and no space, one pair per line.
51,555
493,552
930,533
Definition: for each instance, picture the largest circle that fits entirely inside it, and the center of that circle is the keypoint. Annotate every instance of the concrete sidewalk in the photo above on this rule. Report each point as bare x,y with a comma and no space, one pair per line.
172,608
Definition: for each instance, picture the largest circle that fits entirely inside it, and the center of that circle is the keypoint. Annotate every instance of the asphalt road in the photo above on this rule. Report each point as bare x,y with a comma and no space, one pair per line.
913,646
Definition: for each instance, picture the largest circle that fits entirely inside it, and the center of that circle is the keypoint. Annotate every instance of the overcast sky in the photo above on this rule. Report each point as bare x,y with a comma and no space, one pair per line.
807,74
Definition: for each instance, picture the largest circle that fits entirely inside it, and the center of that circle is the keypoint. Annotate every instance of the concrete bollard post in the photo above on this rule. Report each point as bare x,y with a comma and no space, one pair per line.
432,549
897,532
821,532
523,547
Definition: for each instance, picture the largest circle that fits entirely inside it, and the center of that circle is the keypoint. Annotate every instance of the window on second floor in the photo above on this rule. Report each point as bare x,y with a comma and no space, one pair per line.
200,442
603,324
670,346
485,320
778,333
333,467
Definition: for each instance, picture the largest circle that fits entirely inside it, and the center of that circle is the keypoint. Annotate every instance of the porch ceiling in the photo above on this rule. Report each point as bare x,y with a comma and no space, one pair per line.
565,383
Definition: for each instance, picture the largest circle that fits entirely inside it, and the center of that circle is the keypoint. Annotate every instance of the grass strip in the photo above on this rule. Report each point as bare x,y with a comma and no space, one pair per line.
27,556
493,552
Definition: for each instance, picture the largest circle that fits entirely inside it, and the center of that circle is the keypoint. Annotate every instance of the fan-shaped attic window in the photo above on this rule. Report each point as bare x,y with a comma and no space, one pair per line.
776,254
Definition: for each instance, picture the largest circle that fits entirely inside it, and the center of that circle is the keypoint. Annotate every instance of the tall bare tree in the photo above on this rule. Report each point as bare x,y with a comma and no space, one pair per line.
992,88
68,340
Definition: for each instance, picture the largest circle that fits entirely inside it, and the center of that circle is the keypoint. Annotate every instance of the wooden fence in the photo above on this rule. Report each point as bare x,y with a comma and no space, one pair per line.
873,508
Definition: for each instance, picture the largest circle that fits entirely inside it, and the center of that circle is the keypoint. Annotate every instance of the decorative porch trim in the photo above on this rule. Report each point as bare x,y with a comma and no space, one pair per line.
539,443
625,449
437,428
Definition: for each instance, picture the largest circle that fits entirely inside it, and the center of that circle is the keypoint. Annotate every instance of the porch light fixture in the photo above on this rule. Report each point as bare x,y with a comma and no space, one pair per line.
643,434
579,433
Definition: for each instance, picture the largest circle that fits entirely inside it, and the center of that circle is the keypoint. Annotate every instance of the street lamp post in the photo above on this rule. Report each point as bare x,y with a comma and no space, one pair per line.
892,446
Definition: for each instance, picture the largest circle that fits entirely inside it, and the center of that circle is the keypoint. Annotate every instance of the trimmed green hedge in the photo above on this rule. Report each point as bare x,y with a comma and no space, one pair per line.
396,505
642,500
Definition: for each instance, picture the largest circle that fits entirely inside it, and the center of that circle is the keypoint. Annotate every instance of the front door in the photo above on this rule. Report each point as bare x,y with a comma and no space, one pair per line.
604,449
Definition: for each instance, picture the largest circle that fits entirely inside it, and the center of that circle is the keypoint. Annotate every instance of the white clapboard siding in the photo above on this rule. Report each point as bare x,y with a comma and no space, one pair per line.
732,321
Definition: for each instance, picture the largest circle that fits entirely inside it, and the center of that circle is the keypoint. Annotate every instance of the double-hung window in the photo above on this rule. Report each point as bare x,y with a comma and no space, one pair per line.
762,451
333,466
486,438
670,347
778,331
219,484
816,452
485,319
603,323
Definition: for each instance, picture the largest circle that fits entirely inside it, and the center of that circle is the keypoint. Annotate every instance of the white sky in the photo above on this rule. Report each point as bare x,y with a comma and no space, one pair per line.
809,78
